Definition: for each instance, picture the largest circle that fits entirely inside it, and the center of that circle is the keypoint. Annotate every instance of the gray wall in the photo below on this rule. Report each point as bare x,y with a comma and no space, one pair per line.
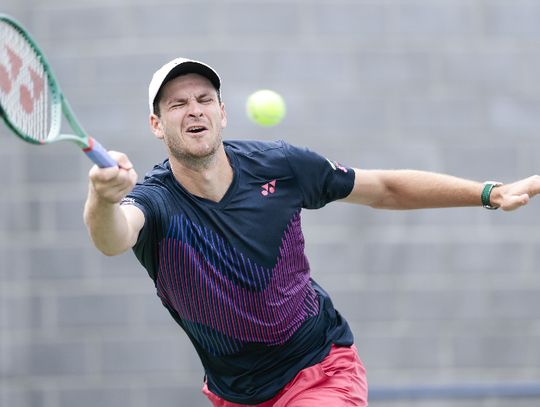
434,296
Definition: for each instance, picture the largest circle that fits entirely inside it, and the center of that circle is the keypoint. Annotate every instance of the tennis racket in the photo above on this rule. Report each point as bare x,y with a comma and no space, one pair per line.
31,102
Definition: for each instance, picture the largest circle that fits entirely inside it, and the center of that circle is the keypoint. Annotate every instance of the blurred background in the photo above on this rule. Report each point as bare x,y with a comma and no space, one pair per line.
437,299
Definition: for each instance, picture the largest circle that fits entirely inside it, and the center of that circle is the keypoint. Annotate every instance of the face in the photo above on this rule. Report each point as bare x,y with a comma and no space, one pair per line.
192,118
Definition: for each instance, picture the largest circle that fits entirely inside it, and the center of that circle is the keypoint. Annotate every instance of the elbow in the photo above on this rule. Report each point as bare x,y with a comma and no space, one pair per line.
384,201
107,247
390,202
382,205
378,205
110,251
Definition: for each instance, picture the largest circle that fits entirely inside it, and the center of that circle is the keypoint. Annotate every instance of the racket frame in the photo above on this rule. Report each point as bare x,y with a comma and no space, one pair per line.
59,108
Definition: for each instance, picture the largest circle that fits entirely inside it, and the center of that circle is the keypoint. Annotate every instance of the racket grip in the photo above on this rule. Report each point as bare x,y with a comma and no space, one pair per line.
98,154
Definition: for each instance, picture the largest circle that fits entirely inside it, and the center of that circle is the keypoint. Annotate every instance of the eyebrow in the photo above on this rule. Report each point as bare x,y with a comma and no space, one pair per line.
172,100
181,99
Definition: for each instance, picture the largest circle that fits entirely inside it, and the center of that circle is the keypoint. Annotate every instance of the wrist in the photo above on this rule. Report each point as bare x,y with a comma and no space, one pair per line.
491,195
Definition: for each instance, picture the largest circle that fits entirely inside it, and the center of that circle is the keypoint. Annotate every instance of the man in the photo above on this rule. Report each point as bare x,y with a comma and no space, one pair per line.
217,227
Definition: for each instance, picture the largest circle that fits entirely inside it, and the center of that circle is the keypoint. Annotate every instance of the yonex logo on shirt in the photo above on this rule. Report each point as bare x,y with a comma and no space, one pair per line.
269,188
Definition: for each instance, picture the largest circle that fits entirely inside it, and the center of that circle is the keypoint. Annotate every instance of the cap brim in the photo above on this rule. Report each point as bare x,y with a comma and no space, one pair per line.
192,67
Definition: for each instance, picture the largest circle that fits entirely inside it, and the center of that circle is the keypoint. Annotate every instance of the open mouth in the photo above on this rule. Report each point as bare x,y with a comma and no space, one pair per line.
196,129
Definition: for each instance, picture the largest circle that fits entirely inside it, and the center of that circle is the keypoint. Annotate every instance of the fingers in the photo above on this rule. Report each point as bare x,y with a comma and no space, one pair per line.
515,201
113,183
534,188
517,194
122,160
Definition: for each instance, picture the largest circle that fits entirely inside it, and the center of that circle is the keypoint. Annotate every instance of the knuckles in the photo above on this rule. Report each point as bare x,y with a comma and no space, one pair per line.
536,180
97,174
113,183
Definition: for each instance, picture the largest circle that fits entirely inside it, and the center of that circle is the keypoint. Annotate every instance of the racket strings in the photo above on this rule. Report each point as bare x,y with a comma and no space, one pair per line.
24,90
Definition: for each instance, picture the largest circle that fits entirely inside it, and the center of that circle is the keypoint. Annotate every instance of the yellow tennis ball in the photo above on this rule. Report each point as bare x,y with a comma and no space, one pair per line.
266,107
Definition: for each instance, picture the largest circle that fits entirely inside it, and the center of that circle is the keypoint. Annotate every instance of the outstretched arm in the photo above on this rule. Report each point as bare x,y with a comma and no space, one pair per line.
113,228
411,189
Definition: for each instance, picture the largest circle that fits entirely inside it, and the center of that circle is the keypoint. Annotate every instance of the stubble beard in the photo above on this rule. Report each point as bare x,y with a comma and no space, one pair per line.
195,160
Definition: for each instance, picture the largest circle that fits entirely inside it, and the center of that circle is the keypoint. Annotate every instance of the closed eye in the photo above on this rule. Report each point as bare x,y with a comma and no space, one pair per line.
176,103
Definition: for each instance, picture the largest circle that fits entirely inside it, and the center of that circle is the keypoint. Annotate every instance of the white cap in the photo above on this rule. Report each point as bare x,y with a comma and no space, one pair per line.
176,67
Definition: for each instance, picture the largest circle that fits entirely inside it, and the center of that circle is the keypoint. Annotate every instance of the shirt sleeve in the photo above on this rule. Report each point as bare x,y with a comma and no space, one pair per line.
321,180
141,197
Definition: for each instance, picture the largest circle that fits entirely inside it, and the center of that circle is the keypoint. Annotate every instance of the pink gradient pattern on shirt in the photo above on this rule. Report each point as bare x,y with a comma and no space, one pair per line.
213,285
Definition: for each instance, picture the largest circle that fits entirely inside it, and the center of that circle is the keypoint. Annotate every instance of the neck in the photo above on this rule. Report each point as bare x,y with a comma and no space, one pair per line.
207,178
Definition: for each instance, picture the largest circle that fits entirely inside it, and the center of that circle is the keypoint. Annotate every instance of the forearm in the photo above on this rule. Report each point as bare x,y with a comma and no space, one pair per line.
107,225
411,189
113,228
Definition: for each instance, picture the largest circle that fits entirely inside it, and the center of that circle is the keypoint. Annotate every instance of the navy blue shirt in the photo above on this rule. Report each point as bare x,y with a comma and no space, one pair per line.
233,273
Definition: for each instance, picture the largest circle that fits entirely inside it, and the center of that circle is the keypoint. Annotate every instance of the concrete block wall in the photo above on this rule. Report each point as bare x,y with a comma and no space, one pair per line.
434,297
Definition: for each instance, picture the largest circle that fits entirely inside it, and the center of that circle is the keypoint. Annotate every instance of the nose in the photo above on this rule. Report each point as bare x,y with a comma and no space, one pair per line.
194,109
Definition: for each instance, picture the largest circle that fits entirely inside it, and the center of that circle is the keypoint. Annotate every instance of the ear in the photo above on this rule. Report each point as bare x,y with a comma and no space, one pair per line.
155,124
223,116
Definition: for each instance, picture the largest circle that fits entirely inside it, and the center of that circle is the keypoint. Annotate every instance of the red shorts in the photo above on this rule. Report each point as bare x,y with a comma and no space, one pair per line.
338,381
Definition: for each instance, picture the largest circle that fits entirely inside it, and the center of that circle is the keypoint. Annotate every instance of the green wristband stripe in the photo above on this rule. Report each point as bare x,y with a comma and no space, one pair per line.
486,194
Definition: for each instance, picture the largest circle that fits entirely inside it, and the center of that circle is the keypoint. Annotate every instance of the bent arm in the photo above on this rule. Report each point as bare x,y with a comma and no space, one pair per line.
411,189
112,227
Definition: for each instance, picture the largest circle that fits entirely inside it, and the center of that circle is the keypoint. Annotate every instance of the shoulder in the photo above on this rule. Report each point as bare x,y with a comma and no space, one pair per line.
260,157
160,173
254,147
257,147
153,187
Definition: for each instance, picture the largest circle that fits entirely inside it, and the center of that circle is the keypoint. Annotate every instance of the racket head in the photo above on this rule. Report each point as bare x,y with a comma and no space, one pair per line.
31,102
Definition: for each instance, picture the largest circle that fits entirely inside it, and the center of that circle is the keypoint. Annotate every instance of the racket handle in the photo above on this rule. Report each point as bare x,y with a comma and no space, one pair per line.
98,154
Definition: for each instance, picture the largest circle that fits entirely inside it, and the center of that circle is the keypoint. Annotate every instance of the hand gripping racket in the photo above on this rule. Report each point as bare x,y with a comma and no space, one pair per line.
31,101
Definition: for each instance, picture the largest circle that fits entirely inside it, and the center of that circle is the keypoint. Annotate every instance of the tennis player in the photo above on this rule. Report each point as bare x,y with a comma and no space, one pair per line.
217,226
